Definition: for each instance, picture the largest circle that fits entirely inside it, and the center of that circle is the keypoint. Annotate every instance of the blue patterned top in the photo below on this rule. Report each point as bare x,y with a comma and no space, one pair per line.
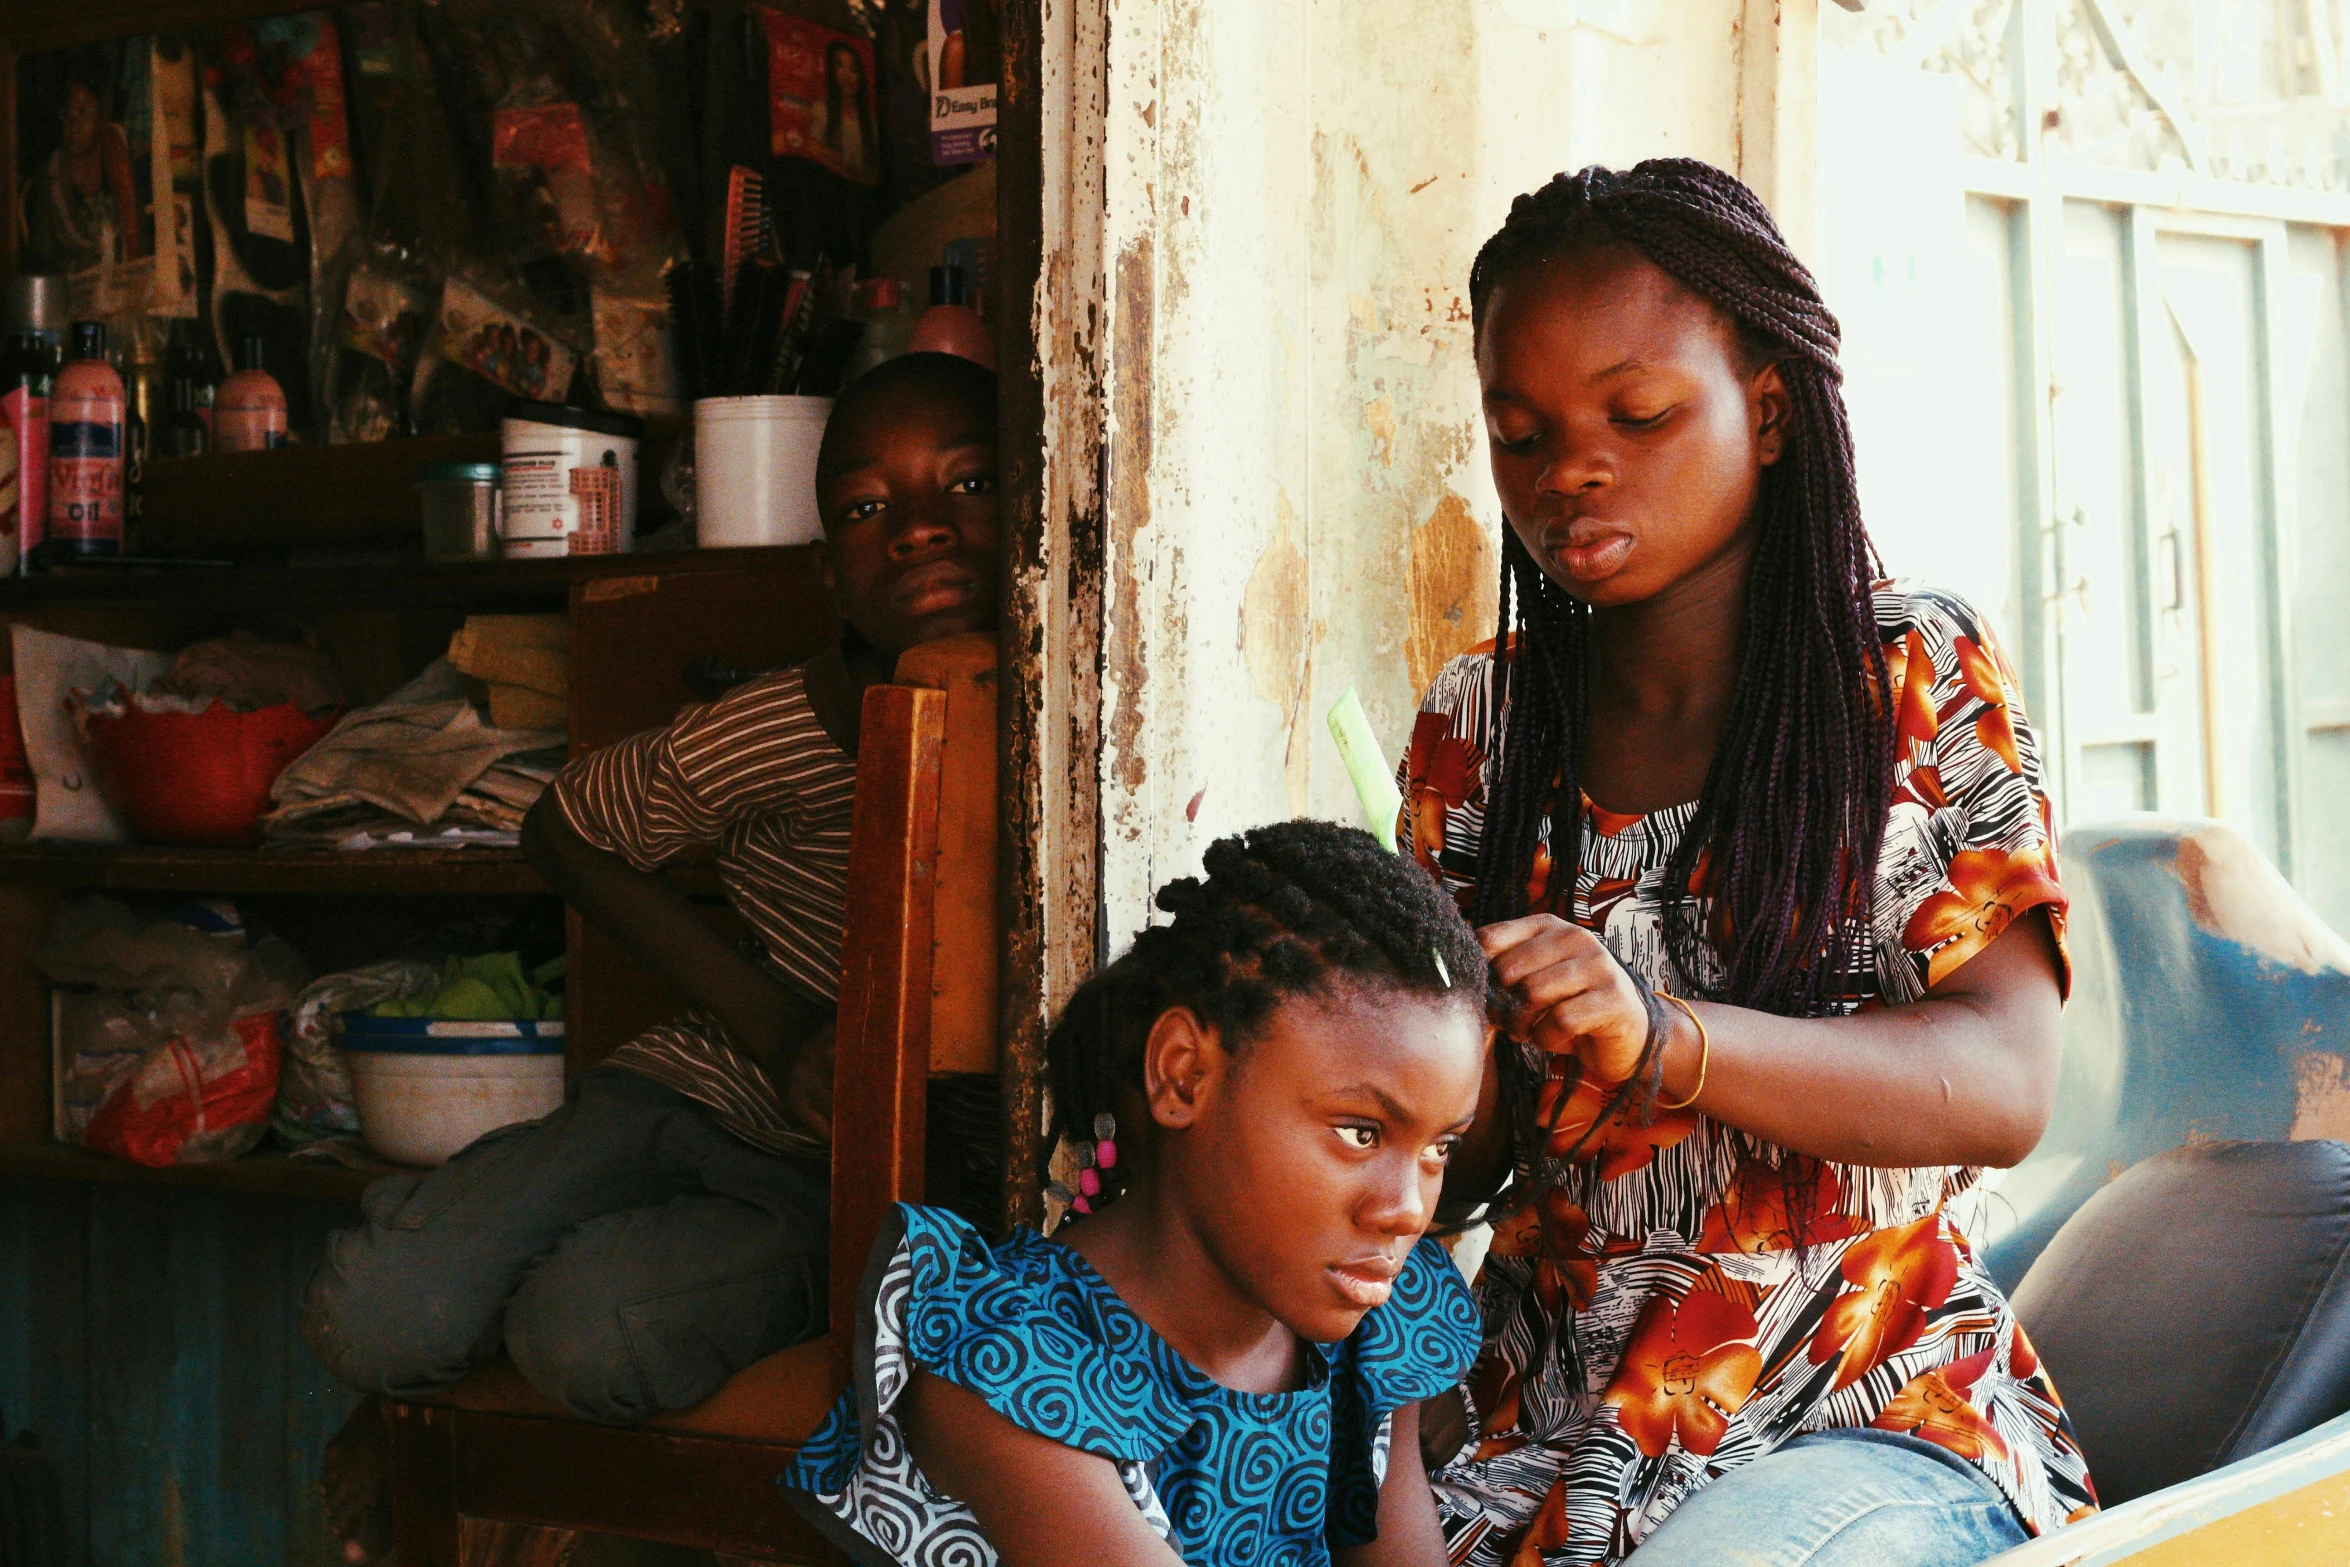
1229,1478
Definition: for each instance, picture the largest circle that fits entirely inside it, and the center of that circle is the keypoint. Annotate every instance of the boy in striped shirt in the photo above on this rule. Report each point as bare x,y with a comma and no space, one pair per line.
666,1227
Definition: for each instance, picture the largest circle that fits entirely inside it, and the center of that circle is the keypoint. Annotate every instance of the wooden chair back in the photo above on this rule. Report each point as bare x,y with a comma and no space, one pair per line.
917,994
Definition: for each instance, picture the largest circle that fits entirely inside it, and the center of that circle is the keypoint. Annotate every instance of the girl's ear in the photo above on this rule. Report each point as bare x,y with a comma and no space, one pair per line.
1769,409
1175,1062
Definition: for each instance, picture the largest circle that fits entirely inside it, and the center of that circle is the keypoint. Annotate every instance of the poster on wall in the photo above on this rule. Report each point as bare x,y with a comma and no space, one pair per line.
820,98
100,131
966,57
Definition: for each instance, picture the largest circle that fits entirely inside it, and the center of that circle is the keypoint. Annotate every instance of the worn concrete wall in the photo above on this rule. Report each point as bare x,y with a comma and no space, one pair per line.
1296,496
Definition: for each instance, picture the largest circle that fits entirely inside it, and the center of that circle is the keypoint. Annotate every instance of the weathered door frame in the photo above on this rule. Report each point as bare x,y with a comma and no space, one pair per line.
1053,433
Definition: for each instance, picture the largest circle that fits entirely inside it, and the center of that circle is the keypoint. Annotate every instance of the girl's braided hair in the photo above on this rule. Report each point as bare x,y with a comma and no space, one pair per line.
1782,851
1285,910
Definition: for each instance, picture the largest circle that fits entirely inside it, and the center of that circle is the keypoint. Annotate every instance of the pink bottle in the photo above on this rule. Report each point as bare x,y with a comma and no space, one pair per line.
249,410
26,371
950,325
86,453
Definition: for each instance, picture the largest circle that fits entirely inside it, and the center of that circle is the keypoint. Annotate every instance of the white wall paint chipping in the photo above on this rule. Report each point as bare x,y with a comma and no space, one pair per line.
1294,192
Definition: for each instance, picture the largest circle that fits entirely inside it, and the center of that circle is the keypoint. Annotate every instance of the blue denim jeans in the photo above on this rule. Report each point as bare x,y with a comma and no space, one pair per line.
1854,1498
628,1252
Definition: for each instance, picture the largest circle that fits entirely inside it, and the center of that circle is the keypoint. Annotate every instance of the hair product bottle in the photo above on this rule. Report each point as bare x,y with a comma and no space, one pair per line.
883,310
188,356
26,371
951,325
249,410
86,452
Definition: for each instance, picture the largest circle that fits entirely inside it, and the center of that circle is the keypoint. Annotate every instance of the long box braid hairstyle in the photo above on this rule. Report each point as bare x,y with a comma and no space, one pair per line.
1769,892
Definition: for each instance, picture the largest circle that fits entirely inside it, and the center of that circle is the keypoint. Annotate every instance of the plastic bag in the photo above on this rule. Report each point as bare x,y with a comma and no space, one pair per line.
49,670
314,1095
193,1103
422,214
490,987
169,1041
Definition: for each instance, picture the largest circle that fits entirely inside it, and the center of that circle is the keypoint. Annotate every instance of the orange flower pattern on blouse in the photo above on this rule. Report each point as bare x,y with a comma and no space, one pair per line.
1623,1145
1661,1315
1756,1211
1688,1368
1899,1277
1935,1407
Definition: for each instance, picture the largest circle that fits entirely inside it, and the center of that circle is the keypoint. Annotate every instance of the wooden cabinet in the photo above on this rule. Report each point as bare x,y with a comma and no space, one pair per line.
644,630
148,1319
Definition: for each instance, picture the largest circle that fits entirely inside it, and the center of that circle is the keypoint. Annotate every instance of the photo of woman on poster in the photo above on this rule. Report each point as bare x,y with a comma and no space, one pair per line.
86,208
820,97
848,127
971,50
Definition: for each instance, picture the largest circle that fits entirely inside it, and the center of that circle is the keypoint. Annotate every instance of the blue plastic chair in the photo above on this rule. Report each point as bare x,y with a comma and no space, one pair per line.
2209,1003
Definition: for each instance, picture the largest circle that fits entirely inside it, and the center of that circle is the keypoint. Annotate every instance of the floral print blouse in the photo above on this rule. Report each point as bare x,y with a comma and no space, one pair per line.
1650,1323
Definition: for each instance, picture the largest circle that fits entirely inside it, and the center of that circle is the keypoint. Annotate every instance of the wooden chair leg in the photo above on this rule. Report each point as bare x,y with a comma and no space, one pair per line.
424,1494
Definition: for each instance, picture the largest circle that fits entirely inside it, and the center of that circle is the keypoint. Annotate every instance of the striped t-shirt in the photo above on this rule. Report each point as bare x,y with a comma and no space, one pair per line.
754,778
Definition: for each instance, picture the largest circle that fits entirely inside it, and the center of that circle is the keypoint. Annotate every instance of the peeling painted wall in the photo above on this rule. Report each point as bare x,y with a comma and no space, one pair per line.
1295,487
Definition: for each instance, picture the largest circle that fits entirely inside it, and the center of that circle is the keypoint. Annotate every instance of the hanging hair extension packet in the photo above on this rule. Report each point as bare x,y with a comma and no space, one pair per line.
820,102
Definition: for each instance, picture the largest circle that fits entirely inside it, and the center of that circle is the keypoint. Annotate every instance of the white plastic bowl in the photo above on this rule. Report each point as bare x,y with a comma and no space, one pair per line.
427,1088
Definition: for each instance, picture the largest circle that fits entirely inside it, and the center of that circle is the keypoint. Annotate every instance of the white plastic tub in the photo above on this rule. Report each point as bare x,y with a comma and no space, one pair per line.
755,470
427,1087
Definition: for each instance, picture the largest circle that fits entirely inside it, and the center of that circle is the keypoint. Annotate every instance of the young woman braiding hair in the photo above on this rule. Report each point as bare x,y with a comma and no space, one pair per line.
1801,776
1758,850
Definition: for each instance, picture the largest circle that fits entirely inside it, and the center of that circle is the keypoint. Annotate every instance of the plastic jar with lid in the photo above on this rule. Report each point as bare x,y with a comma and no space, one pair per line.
569,482
459,504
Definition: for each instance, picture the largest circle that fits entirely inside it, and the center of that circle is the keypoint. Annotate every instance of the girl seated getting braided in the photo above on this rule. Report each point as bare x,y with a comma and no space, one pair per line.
1214,1363
1760,851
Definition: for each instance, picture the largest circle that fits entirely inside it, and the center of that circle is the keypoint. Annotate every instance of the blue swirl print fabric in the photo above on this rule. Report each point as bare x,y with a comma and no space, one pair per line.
1227,1478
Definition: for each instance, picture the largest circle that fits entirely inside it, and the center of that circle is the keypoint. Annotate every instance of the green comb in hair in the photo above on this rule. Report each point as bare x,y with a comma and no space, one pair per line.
1374,781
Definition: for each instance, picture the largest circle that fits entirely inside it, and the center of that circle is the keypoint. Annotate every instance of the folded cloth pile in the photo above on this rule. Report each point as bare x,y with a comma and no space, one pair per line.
524,661
423,767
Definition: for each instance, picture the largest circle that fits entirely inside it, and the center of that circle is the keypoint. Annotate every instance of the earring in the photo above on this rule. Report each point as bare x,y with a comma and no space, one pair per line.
1092,1158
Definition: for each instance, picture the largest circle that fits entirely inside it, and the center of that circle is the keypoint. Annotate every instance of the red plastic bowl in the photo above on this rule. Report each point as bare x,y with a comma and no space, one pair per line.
198,780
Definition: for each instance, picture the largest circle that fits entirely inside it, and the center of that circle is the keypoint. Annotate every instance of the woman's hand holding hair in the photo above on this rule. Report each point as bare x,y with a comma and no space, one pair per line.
1571,995
1964,1076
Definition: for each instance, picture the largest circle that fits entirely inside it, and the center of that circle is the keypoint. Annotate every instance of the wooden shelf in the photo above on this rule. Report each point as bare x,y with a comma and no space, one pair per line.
313,495
266,1172
451,872
329,872
476,585
295,495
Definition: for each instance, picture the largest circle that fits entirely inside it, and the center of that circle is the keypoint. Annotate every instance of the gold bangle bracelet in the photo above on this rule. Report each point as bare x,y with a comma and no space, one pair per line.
1705,1052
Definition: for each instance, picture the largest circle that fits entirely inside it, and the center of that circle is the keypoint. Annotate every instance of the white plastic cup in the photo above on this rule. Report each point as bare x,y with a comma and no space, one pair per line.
755,470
